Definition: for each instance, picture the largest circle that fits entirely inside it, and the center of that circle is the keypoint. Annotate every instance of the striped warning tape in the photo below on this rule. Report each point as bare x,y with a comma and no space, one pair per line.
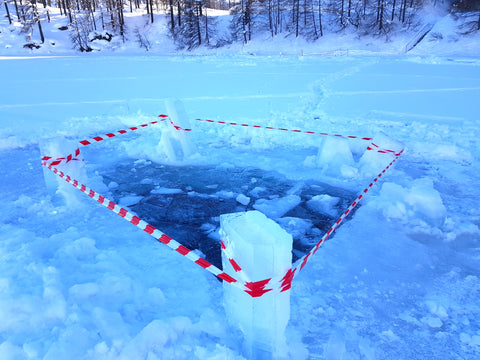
373,147
303,261
254,289
120,132
96,139
61,160
258,288
241,275
143,225
282,129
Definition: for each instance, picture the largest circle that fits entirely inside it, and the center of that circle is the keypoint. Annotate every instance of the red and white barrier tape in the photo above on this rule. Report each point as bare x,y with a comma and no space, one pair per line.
254,289
374,147
143,225
303,261
61,160
258,288
96,139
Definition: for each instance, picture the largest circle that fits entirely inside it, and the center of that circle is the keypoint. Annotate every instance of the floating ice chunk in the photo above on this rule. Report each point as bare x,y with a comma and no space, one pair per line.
130,200
405,316
324,204
257,190
433,322
297,227
166,191
389,335
242,199
276,208
112,185
223,194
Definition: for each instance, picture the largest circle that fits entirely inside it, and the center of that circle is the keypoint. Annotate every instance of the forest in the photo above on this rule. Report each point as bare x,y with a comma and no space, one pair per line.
192,23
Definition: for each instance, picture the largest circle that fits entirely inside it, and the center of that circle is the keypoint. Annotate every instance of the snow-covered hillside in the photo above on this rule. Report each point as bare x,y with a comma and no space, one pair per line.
444,37
399,280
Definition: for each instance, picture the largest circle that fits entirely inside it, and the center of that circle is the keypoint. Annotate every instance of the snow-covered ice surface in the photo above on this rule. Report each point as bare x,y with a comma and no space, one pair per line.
399,280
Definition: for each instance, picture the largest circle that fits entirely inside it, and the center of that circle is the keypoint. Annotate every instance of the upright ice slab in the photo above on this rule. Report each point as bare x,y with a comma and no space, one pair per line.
175,142
263,250
373,161
59,189
334,156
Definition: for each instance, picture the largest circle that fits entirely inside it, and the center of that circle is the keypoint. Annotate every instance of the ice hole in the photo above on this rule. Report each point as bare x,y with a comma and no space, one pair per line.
185,202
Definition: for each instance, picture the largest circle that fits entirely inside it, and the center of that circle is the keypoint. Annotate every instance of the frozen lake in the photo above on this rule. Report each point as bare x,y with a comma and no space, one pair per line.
400,280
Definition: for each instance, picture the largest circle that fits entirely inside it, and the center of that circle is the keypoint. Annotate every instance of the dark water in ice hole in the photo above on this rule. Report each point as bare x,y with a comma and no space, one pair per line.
192,215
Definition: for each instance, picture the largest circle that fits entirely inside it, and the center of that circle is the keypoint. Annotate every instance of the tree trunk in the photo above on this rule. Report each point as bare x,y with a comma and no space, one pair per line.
249,24
37,19
42,38
244,22
199,13
380,26
172,19
207,38
393,9
270,22
151,10
320,17
298,17
23,12
16,9
378,11
8,12
341,12
121,19
278,27
313,21
179,13
305,13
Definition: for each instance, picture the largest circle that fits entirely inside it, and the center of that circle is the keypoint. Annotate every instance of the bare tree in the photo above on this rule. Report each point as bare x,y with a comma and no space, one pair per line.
8,12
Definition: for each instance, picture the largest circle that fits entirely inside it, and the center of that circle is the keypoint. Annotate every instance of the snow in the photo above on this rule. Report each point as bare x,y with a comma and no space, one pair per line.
398,280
